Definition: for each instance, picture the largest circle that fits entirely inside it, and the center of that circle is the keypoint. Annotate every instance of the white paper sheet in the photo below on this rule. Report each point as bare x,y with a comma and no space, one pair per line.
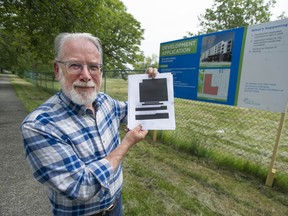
151,102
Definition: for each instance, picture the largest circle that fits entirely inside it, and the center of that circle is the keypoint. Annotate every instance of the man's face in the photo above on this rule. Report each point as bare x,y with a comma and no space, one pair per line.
81,88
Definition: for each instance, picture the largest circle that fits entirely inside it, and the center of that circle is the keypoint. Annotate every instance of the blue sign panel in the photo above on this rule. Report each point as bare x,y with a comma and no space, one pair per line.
205,67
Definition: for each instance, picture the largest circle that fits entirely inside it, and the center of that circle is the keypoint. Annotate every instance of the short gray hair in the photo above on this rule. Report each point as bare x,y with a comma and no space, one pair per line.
62,37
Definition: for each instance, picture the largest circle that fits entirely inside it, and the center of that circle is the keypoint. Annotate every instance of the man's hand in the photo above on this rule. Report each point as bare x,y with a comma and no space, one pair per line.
131,138
152,72
135,135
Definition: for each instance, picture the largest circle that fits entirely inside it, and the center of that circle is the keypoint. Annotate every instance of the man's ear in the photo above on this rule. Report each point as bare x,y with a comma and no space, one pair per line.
56,71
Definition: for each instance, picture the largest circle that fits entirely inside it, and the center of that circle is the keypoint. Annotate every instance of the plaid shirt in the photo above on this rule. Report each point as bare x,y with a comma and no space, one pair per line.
66,148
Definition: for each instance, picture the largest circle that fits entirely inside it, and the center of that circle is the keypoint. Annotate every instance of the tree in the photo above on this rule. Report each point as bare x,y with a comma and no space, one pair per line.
228,14
147,62
31,26
7,51
122,36
282,16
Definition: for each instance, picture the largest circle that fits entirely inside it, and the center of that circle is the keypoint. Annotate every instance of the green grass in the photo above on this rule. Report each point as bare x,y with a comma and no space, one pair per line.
194,170
116,88
30,95
160,180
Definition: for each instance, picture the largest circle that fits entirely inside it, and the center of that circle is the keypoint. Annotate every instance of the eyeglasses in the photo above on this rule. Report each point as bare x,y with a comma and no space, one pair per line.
76,67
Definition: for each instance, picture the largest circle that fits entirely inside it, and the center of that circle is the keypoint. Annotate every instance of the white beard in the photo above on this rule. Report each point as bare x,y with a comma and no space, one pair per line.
81,98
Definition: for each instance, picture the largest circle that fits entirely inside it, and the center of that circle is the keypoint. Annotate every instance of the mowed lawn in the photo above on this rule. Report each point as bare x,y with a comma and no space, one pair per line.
159,180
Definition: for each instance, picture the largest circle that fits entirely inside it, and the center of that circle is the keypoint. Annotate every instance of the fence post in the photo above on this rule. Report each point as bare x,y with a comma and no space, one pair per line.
272,170
52,79
105,77
46,80
154,136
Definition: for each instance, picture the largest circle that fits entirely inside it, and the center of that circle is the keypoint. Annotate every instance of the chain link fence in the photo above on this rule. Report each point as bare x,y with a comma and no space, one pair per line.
244,137
240,138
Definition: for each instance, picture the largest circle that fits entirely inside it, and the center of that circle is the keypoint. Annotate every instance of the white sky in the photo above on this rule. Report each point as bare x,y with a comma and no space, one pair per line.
167,20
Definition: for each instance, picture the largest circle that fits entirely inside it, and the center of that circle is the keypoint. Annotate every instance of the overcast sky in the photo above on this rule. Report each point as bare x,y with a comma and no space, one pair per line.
167,20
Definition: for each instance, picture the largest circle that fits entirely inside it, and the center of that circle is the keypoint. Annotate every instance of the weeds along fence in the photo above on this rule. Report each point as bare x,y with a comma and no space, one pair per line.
238,138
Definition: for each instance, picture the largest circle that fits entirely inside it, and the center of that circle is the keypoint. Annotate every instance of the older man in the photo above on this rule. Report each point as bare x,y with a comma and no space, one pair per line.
72,141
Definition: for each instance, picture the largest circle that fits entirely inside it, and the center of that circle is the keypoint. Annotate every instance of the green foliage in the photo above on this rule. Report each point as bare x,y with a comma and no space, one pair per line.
147,62
282,16
29,27
122,35
8,52
228,14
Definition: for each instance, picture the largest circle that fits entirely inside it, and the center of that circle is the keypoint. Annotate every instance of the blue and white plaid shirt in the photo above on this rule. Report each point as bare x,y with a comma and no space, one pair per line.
66,148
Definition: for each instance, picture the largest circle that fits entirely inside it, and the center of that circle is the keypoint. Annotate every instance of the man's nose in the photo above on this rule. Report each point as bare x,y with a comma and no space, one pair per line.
85,74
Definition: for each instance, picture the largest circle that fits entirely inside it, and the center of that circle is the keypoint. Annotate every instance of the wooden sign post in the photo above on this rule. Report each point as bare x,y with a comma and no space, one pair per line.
272,170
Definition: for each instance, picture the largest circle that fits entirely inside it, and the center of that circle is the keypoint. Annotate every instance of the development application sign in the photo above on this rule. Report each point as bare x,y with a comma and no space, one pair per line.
151,102
205,67
244,66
